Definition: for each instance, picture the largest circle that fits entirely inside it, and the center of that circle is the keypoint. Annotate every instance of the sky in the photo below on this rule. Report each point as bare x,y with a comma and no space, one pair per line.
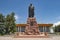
46,11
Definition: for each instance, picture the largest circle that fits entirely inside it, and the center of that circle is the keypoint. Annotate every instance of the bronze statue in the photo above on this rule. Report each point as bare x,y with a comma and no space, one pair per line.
31,10
31,26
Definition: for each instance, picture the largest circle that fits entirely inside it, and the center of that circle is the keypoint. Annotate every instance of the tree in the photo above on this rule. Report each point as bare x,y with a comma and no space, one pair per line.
7,24
57,28
10,23
2,24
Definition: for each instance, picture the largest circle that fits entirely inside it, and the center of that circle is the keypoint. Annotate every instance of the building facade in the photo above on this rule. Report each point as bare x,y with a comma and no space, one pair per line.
42,27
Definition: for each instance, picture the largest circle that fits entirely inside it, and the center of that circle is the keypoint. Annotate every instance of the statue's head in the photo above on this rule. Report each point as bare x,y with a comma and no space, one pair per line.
31,4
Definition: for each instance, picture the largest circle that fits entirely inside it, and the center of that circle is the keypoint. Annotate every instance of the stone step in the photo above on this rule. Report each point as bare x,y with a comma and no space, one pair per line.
31,36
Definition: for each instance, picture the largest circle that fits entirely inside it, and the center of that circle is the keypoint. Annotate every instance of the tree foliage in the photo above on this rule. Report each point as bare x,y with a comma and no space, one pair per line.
57,28
2,24
7,24
10,23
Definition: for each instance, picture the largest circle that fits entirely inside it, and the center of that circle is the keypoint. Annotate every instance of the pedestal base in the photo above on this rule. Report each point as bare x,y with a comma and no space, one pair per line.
32,36
41,35
32,27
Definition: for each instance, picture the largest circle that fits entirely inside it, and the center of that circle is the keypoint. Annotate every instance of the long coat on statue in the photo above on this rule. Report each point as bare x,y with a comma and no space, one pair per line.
31,11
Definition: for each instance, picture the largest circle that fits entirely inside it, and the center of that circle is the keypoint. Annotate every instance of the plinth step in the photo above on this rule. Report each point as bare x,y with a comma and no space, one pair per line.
31,36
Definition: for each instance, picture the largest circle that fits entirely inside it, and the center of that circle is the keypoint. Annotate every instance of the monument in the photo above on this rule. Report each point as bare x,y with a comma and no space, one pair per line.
32,26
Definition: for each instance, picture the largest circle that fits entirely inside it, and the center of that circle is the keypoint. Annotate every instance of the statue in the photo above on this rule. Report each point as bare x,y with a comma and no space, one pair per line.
31,26
31,10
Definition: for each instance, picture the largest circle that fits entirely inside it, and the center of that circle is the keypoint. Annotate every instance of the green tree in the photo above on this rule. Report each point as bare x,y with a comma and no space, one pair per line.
7,24
2,24
57,28
10,23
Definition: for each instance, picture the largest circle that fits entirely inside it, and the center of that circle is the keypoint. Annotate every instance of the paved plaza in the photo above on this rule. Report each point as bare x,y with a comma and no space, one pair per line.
52,37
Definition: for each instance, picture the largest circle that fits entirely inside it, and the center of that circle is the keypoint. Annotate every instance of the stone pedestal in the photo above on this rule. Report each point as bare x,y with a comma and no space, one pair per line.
32,27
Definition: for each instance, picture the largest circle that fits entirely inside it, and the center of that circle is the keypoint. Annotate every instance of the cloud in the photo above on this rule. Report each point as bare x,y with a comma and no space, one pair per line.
57,23
16,17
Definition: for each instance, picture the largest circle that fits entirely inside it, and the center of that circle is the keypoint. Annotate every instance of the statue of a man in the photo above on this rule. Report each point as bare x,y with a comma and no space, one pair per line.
31,10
